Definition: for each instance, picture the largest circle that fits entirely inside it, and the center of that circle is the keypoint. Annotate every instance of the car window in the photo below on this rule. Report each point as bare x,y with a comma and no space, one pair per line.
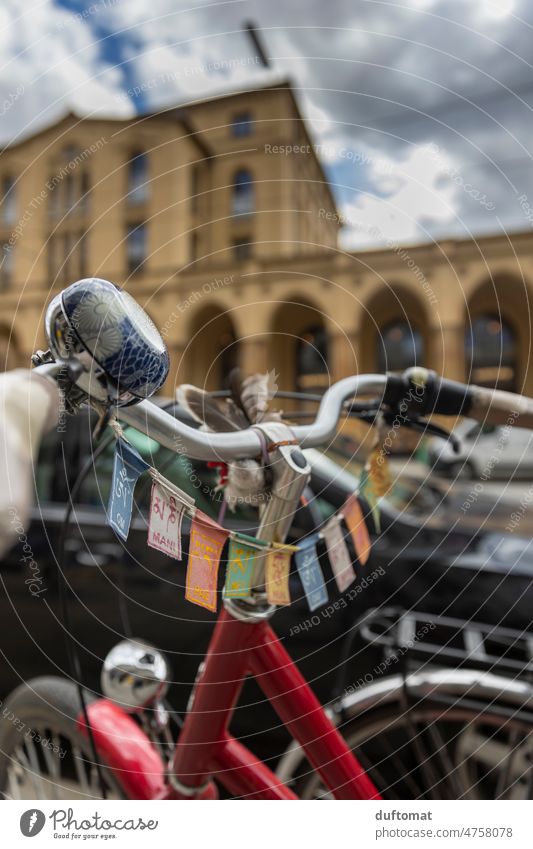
412,496
194,477
57,464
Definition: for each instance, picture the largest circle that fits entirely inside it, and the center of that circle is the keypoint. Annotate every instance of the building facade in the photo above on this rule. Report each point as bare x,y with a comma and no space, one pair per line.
219,220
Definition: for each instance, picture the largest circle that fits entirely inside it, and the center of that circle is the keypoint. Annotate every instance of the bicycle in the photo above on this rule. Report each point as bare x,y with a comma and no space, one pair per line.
68,728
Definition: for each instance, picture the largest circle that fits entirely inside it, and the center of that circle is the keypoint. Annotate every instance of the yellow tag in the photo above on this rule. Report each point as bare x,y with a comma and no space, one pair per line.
277,569
378,471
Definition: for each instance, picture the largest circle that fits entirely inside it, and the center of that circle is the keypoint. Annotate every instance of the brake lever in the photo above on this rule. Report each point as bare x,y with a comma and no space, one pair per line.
420,425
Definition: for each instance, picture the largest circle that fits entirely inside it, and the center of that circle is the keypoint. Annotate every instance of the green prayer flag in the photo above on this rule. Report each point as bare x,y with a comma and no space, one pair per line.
241,559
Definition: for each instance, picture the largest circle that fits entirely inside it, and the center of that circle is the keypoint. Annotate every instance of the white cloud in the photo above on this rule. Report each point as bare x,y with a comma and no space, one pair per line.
412,193
53,61
377,80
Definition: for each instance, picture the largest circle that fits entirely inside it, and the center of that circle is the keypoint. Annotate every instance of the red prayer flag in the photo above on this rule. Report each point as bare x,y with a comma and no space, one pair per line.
205,547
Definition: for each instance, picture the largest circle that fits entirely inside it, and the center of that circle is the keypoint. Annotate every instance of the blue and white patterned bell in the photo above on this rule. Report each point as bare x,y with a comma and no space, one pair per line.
97,318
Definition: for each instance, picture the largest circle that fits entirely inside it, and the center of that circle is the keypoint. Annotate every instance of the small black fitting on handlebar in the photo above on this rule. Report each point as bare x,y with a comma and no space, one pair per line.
421,392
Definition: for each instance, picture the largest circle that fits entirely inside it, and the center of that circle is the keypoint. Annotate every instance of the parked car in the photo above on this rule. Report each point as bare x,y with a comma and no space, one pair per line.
485,450
428,555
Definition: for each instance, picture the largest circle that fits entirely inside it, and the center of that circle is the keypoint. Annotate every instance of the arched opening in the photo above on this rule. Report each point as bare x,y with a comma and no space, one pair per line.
491,352
299,347
399,346
498,335
10,357
311,366
394,331
213,350
242,198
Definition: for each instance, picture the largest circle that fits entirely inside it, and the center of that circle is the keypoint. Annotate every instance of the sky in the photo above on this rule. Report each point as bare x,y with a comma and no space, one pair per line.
422,110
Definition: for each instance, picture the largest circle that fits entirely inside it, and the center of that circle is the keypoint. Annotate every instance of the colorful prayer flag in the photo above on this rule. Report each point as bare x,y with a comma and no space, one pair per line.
277,571
164,525
205,547
355,522
128,465
241,560
310,573
339,556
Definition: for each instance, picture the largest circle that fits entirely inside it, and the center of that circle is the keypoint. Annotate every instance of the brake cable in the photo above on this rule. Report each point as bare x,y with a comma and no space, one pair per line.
63,589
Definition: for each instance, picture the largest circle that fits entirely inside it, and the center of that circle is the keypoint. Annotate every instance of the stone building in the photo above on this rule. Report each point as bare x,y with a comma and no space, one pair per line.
219,219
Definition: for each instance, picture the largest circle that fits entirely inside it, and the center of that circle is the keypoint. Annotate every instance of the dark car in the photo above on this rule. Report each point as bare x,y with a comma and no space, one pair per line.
428,555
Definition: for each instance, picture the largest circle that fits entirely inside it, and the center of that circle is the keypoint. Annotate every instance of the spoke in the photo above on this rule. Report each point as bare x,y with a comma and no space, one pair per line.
36,768
79,761
424,760
14,786
374,772
52,762
27,769
506,765
450,769
404,775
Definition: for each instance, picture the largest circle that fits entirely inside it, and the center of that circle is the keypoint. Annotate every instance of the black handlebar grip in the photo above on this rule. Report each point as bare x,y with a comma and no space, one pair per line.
421,392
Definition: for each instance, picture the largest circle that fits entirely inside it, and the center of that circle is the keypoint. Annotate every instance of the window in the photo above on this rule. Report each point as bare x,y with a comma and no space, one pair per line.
51,249
82,254
6,266
243,193
242,125
399,346
194,245
70,193
242,248
312,359
54,207
137,191
491,349
136,247
85,187
195,187
68,240
9,201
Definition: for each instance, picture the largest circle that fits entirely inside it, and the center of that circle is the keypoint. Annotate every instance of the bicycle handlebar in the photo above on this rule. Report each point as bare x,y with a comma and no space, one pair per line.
434,394
200,445
421,392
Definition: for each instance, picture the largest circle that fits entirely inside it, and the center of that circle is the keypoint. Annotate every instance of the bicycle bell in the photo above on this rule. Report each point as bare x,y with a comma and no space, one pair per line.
135,675
112,346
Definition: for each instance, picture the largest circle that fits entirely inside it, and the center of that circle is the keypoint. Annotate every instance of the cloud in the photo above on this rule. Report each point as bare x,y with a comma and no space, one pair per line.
382,79
54,64
406,194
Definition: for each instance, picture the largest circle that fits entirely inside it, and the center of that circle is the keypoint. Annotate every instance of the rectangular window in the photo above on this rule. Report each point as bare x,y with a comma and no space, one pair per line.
6,266
195,187
242,248
66,259
85,188
194,246
242,124
9,201
136,247
51,249
137,190
70,193
243,200
55,200
82,254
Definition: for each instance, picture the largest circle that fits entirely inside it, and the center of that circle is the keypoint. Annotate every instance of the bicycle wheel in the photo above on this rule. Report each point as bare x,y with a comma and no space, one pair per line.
431,752
42,754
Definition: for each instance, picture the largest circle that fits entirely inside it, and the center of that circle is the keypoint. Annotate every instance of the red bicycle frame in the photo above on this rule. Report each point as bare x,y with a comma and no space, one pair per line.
242,644
206,748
